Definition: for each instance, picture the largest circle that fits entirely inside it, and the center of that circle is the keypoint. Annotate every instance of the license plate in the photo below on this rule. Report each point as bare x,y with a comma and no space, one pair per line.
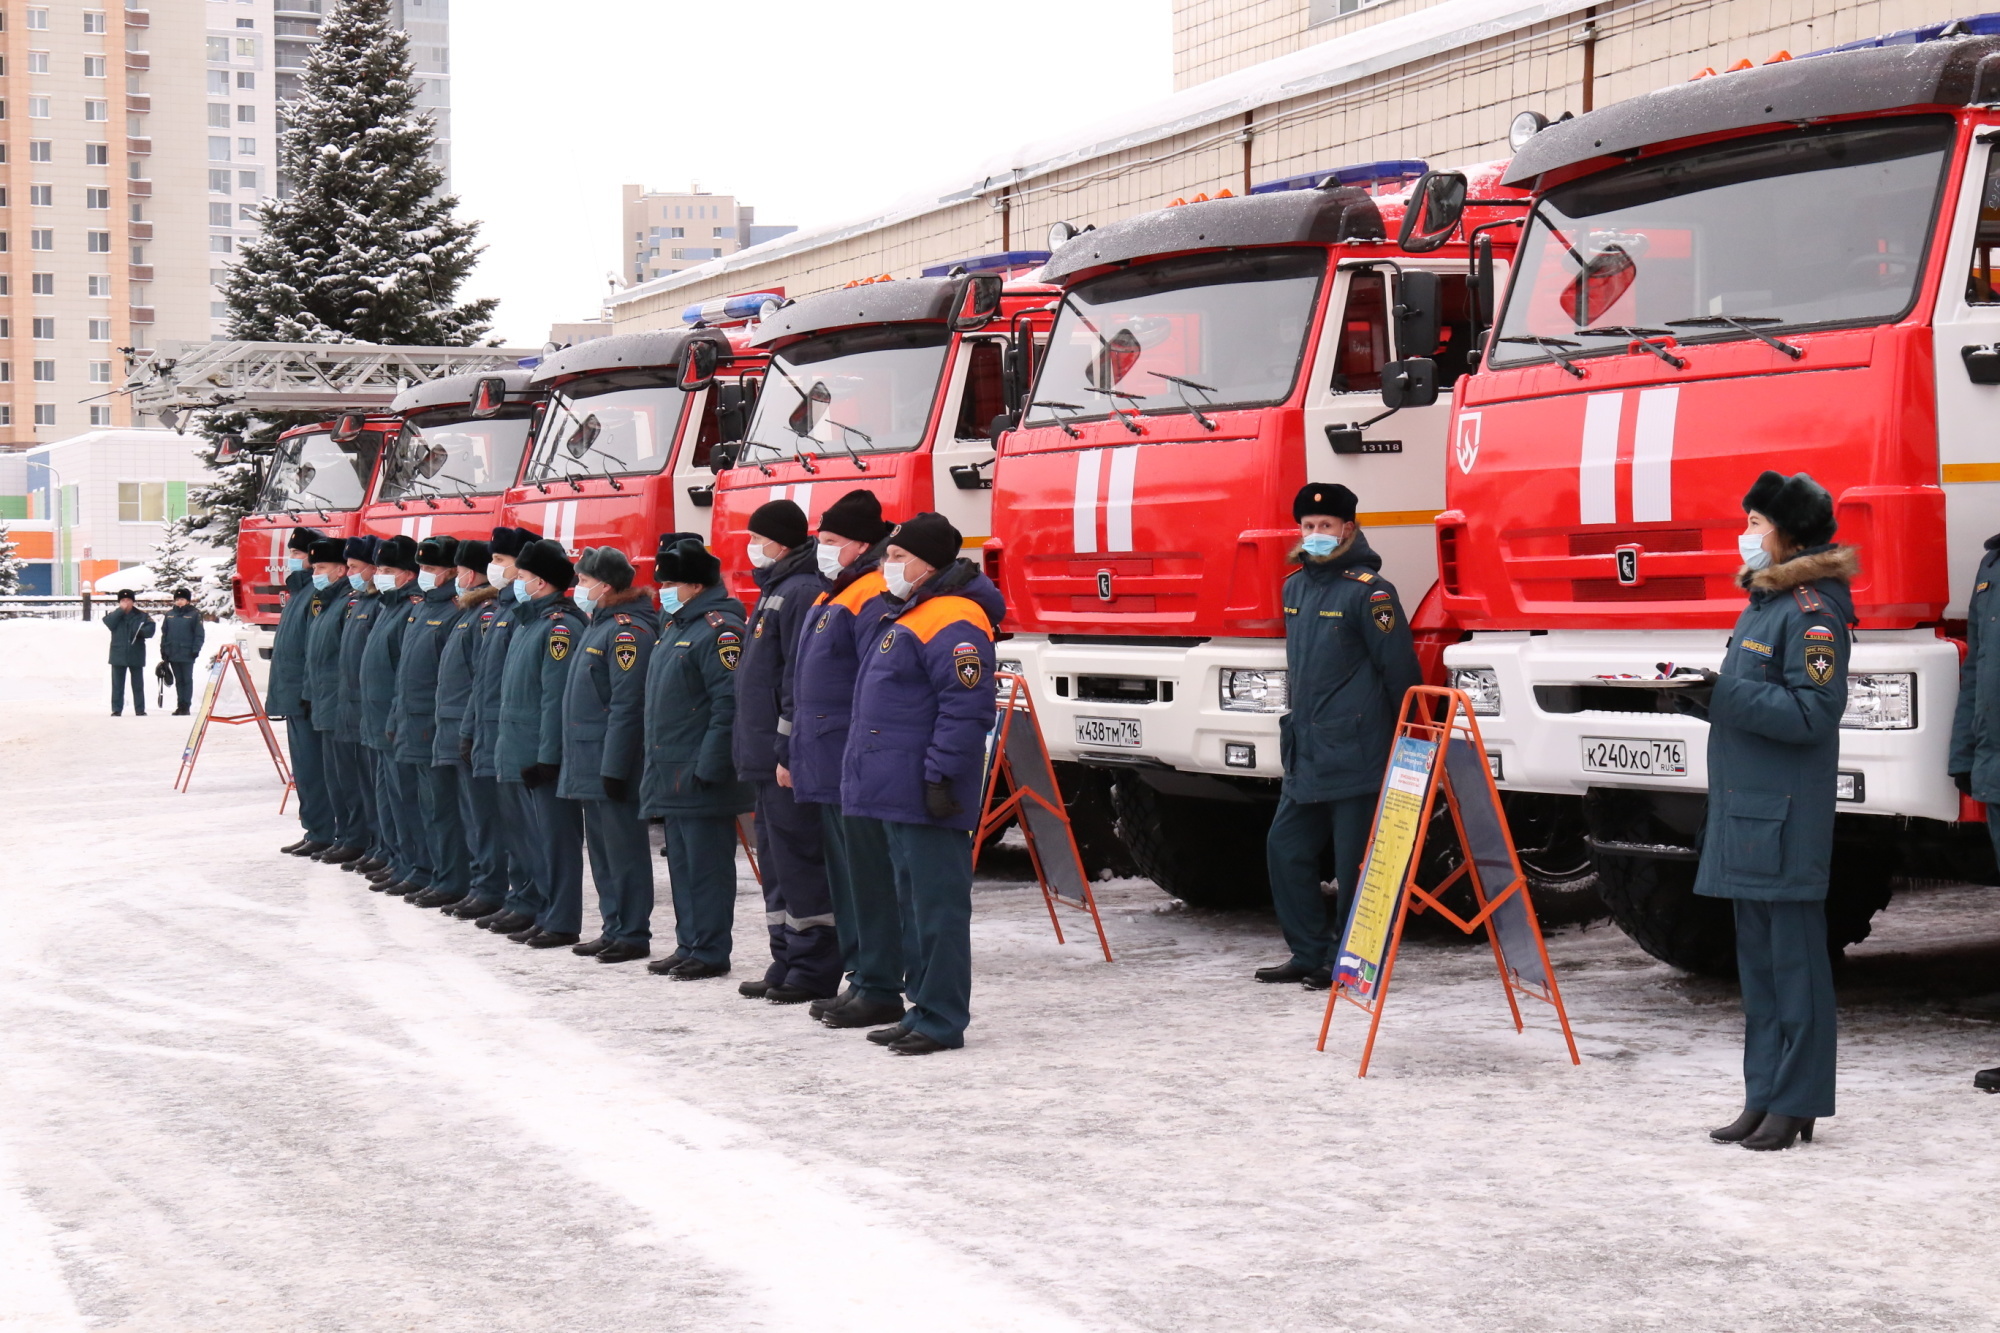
1120,731
1617,754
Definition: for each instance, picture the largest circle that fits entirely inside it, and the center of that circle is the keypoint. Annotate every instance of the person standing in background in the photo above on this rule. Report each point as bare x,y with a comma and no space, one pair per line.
130,628
181,637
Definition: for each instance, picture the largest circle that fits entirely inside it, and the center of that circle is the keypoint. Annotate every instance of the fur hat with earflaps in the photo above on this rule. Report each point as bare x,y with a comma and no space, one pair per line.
1797,506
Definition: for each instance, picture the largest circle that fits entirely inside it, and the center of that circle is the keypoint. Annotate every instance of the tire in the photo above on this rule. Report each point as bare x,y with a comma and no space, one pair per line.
1093,821
1862,881
1552,840
1205,853
1653,901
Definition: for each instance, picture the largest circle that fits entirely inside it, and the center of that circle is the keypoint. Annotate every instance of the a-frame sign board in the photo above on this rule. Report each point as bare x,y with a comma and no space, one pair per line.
1438,753
228,664
1017,755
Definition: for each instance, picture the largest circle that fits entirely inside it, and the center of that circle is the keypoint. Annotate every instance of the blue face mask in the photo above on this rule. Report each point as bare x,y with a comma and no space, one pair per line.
321,582
427,580
520,590
1320,545
358,583
585,602
670,599
294,563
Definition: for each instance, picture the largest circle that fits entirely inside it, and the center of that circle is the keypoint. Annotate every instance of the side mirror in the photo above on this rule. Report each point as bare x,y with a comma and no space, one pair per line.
306,473
1114,361
1416,312
1436,204
723,456
978,302
489,396
348,428
229,449
1604,277
586,433
435,459
1412,382
805,418
731,420
698,362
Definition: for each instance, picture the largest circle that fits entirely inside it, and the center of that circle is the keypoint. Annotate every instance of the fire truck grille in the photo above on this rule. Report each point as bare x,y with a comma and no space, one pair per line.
1687,588
1653,539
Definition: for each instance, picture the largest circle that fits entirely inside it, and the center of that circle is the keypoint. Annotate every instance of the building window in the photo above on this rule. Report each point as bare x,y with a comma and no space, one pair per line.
93,67
218,181
218,82
6,328
218,115
45,414
42,196
3,284
246,148
100,415
100,329
217,276
42,284
93,109
246,46
247,179
141,501
100,372
218,310
93,22
218,215
38,18
723,233
6,372
678,254
218,148
45,372
676,232
38,62
38,108
45,331
100,285
245,79
218,50
138,254
221,245
3,250
246,214
246,114
96,242
41,150
6,414
95,196
97,155
42,238
246,23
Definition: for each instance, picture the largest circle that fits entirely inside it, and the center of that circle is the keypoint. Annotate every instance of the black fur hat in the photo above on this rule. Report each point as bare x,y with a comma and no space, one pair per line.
302,539
606,564
397,552
546,561
509,541
474,556
328,551
360,548
1797,506
1324,497
439,552
682,558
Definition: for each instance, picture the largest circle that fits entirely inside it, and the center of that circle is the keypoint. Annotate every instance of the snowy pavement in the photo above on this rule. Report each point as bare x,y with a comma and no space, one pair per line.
240,1092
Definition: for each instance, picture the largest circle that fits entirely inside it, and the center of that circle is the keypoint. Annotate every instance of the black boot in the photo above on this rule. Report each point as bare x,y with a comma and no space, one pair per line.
1290,971
437,897
308,848
292,848
791,995
916,1043
1779,1132
522,934
1987,1080
753,990
1320,978
469,908
591,947
506,923
884,1036
550,939
861,1012
341,856
1739,1129
660,967
624,951
693,969
820,1008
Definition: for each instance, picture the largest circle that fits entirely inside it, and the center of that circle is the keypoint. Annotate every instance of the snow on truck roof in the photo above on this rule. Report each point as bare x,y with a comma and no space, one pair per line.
912,300
1291,217
454,390
655,349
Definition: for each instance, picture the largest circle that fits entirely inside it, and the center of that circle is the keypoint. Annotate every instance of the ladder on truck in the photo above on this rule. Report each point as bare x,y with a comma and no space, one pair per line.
183,377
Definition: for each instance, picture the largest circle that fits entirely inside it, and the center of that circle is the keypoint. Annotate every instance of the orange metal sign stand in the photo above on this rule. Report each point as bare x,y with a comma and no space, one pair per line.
1033,798
219,667
1438,751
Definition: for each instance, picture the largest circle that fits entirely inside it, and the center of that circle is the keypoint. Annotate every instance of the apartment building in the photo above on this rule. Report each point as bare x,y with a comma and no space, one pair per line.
136,141
671,231
1267,89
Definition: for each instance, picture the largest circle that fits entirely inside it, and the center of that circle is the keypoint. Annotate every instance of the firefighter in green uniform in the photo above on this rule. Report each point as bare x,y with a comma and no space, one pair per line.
1349,661
1975,728
398,818
307,590
414,722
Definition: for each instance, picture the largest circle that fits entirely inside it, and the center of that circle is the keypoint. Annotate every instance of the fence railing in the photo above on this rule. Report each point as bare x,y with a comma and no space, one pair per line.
72,606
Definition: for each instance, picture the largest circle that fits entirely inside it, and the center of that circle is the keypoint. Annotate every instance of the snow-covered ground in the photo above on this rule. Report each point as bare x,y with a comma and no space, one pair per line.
240,1092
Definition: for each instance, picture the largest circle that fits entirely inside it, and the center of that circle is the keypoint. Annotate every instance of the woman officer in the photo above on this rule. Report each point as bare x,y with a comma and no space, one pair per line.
1773,747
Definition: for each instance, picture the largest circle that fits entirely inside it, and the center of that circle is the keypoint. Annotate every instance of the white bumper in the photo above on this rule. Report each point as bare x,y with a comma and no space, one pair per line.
1902,772
255,640
1188,732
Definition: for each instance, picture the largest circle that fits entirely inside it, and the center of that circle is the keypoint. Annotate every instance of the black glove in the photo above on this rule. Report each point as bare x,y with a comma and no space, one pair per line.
618,789
939,803
1694,699
1964,782
465,749
305,708
536,775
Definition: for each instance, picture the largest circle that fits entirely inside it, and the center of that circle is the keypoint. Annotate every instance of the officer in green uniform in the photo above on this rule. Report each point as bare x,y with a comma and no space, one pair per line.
307,591
398,819
604,747
530,750
1773,758
1975,729
345,772
480,732
690,777
414,722
364,613
130,628
478,813
1349,661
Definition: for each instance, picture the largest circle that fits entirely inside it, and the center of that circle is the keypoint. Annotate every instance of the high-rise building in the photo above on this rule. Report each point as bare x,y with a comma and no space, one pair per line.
666,231
136,142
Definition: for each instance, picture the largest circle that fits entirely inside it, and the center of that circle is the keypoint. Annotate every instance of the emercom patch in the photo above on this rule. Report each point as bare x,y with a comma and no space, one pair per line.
729,647
625,649
558,643
1382,609
965,661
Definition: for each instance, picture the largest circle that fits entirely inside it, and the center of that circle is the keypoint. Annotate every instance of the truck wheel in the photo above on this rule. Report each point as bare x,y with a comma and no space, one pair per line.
1652,900
1093,821
1205,853
1552,841
1862,880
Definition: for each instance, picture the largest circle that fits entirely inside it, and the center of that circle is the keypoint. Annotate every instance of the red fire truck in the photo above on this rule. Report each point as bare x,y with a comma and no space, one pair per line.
1785,266
1206,360
625,447
458,449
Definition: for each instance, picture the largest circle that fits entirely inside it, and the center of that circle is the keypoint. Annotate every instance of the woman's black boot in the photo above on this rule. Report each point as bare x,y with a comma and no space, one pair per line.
1779,1132
1739,1129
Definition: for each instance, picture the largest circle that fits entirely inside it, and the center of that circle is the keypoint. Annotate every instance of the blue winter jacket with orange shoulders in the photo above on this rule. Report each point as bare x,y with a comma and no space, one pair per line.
820,705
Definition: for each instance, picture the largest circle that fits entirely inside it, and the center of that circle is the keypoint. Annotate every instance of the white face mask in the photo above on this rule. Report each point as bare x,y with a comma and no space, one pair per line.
899,586
466,580
427,580
830,563
1750,545
495,573
759,557
385,583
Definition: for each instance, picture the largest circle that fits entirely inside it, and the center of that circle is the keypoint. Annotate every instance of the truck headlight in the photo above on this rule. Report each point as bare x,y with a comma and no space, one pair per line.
1481,685
1012,664
1245,691
1881,701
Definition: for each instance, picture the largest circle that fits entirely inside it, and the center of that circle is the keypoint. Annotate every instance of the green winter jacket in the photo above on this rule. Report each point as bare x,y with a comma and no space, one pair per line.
539,656
691,712
129,632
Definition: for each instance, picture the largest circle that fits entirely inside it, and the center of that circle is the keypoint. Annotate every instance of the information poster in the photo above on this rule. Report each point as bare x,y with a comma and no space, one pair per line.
210,692
1398,835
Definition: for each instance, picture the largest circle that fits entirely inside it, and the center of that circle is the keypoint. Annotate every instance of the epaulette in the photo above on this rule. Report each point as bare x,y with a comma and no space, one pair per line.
1359,575
716,619
556,614
622,619
1808,599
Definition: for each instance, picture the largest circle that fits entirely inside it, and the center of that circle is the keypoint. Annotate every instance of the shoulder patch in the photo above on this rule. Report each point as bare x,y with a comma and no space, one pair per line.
1754,646
888,642
1819,632
966,664
1382,610
558,642
729,647
1983,586
625,649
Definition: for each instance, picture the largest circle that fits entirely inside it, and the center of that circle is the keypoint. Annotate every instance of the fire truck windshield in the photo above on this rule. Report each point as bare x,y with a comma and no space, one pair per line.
864,391
310,471
448,453
1215,330
1821,226
604,425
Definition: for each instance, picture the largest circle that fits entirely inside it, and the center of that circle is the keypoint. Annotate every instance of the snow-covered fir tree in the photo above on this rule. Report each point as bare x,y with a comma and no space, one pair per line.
173,562
11,564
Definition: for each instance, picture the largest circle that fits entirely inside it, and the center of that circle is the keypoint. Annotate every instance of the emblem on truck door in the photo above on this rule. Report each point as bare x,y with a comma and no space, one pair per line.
1628,565
1467,445
1103,585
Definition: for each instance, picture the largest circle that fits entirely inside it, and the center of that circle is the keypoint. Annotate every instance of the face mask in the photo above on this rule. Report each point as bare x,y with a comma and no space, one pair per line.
899,586
495,574
585,602
385,583
1750,545
829,561
520,590
427,580
357,582
321,582
1319,545
294,563
759,557
670,600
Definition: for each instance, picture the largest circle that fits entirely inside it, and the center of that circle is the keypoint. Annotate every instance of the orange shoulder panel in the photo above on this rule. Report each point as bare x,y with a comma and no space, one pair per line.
932,616
854,594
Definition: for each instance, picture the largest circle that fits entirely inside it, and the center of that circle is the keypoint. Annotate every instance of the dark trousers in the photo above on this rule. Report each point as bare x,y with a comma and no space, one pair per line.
402,820
138,675
347,788
1295,852
444,835
1788,1014
316,816
933,869
701,866
561,823
381,842
479,823
621,865
521,834
798,904
865,916
183,673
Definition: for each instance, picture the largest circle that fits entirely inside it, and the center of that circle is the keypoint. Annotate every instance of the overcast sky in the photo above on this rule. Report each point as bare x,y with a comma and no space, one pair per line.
807,110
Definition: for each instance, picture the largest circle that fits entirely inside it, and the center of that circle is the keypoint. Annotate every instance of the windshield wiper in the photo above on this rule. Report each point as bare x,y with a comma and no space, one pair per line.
1067,429
806,398
1119,416
1181,386
759,444
1551,346
1743,324
1639,336
867,439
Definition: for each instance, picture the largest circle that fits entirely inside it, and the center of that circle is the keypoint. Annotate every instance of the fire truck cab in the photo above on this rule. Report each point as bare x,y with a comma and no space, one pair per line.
459,447
1208,359
1789,266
